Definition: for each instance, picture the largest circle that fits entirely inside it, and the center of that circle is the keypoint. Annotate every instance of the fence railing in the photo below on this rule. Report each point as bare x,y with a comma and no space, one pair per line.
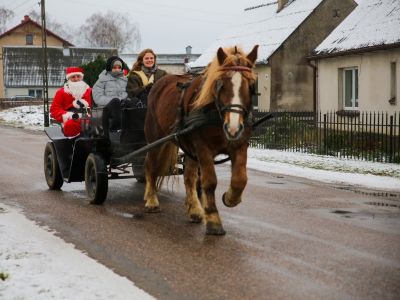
8,103
371,136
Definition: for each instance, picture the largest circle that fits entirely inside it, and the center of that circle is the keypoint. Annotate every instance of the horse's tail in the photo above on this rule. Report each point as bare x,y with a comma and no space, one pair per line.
167,159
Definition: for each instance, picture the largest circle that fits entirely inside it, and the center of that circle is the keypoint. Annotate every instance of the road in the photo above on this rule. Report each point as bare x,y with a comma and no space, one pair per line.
290,238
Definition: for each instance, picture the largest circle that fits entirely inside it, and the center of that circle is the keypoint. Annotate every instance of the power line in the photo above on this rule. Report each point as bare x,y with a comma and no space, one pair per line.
141,12
196,10
23,3
28,9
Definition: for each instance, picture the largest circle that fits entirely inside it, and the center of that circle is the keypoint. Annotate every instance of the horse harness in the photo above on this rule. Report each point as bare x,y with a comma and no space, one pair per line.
209,116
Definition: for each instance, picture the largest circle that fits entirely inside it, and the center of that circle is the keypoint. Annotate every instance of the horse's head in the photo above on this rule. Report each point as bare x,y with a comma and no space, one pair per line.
230,83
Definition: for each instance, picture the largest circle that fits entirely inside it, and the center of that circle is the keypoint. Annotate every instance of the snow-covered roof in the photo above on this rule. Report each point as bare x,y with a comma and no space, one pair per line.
22,64
372,23
264,26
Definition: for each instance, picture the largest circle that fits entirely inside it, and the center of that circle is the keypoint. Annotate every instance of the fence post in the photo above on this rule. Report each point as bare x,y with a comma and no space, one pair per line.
325,134
391,150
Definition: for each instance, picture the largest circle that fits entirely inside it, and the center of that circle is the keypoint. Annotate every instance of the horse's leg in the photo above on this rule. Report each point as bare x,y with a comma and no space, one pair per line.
193,206
150,194
233,196
209,184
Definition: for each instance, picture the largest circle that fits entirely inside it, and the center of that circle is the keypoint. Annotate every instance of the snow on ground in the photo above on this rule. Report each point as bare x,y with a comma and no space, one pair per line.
380,176
29,117
35,264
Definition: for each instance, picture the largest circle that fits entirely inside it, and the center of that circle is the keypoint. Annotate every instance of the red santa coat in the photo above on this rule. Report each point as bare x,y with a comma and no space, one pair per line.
64,101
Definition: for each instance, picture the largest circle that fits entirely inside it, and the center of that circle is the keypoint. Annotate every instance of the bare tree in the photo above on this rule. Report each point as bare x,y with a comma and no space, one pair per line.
64,31
111,30
5,16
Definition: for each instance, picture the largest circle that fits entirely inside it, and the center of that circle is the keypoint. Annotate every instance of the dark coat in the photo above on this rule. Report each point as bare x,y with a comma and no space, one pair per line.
135,86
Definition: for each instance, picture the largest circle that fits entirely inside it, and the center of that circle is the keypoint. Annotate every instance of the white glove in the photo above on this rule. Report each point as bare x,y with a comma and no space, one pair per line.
76,103
67,116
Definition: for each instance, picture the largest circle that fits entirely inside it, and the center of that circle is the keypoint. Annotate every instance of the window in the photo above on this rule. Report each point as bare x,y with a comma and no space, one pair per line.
350,88
35,93
29,39
393,78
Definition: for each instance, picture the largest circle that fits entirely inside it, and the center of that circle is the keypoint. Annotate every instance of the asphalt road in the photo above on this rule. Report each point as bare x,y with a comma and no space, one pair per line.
290,238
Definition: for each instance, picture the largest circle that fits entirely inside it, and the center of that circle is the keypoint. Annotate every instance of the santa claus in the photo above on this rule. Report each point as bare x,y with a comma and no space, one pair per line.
69,99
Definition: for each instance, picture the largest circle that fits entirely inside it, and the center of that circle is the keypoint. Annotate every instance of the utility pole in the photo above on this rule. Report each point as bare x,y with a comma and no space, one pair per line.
44,67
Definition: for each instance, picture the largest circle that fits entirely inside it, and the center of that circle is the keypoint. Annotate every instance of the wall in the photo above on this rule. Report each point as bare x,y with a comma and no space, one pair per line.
374,80
173,69
264,86
9,92
292,78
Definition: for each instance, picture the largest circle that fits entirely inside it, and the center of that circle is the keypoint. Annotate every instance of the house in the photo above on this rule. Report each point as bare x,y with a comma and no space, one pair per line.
359,62
23,67
21,59
172,63
287,32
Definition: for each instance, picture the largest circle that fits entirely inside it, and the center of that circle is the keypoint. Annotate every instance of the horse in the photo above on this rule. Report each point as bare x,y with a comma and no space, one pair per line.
225,90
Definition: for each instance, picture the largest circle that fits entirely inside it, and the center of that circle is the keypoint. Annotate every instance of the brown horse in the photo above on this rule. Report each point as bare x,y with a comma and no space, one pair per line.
225,88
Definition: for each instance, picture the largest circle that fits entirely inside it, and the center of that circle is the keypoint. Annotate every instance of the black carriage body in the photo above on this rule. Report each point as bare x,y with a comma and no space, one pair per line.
72,153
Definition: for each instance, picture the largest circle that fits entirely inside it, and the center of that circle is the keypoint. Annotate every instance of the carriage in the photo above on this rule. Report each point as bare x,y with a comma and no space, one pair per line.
205,116
94,156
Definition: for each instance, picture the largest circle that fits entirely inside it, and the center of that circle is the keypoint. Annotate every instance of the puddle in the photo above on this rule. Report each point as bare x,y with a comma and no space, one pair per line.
126,215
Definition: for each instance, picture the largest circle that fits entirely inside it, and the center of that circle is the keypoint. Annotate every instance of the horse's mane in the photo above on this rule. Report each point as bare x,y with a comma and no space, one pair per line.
215,71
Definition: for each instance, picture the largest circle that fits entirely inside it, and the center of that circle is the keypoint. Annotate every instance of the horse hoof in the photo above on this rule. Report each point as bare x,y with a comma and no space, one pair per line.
196,218
155,209
214,229
227,204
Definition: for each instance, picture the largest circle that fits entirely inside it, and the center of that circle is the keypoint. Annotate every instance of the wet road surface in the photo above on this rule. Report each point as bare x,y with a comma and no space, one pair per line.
290,238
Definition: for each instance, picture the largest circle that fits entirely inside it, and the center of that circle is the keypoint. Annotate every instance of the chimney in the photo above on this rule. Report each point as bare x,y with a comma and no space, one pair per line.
281,4
189,50
26,19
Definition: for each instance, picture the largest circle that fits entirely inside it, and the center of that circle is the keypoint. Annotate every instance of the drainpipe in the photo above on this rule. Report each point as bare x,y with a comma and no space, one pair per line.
315,76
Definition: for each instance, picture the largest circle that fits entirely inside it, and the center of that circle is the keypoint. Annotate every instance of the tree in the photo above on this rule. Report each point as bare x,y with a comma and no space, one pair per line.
93,69
5,16
64,31
111,30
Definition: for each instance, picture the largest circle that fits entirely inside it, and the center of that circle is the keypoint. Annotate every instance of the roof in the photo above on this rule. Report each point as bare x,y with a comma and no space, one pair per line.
264,26
373,23
22,65
28,20
162,59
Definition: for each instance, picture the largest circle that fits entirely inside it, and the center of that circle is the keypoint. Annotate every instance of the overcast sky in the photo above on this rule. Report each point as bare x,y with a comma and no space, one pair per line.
166,26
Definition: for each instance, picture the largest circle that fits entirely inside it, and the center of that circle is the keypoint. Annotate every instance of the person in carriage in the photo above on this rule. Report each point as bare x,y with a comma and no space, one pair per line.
74,95
143,75
109,92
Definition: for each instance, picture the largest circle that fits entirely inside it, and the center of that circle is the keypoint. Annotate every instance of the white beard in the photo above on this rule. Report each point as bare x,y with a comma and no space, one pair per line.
76,89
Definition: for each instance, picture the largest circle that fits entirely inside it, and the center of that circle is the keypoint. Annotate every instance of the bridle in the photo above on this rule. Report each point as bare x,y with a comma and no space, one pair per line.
235,108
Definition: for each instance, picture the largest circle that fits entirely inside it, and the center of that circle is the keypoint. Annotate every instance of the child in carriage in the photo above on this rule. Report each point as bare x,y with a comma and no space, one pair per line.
74,95
109,92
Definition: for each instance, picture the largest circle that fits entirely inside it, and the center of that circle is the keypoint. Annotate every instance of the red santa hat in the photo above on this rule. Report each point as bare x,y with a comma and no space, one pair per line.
71,71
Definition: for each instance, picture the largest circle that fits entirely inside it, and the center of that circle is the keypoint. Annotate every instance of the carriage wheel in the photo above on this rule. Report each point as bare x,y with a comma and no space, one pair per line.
52,171
96,179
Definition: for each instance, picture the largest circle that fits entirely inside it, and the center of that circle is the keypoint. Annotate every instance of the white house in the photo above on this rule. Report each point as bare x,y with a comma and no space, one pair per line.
358,63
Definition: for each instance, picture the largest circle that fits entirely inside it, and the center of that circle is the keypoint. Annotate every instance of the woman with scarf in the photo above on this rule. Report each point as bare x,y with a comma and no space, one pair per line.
143,75
109,92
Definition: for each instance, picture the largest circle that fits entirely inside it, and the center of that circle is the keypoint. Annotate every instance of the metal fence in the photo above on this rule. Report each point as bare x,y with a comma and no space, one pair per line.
373,136
8,103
